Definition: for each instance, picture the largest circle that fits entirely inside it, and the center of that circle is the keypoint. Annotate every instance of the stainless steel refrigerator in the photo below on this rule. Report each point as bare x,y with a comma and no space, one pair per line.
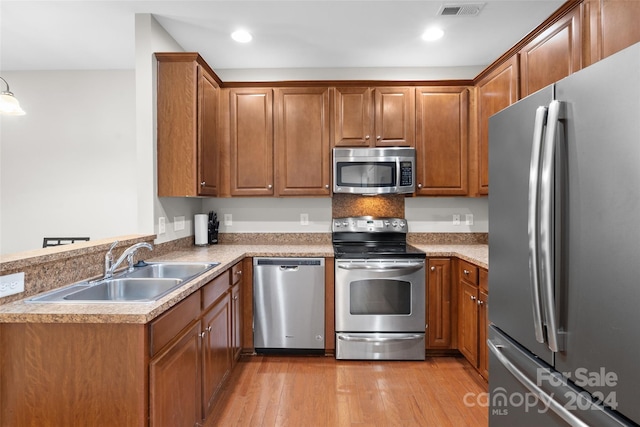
564,252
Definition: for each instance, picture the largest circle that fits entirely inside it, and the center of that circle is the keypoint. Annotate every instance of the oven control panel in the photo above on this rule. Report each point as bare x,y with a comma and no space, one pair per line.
370,224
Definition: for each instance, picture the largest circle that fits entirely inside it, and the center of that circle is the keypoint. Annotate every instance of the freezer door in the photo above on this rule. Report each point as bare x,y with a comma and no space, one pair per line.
511,134
526,392
599,305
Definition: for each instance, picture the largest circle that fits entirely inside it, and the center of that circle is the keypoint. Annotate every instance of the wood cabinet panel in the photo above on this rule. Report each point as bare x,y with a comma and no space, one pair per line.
98,370
216,349
353,116
251,142
483,330
187,143
620,27
394,116
302,142
552,55
174,383
439,304
496,91
167,326
468,322
374,117
236,322
442,140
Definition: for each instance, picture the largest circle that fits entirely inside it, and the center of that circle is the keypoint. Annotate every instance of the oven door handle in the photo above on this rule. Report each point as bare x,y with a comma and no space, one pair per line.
381,268
379,339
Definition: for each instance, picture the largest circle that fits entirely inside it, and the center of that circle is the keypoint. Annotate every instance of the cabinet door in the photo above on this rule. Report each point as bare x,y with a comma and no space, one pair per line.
216,349
394,116
251,142
236,322
483,327
302,142
552,55
442,140
208,163
468,322
439,303
496,91
352,117
175,383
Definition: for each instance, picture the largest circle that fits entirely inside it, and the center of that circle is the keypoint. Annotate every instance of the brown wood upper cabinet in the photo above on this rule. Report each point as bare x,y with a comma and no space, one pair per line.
302,142
251,142
373,117
442,140
187,111
552,55
496,91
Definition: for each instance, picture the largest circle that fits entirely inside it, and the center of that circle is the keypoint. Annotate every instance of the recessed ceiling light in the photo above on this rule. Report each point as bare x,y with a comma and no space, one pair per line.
241,36
432,34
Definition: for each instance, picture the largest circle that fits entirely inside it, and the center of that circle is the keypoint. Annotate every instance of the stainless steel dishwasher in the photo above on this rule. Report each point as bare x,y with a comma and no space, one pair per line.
288,305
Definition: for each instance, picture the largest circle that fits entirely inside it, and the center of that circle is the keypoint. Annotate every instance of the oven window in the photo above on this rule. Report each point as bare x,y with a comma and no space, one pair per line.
380,296
366,174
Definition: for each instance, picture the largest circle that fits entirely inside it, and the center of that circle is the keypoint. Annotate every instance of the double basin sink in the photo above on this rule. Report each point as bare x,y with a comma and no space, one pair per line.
146,283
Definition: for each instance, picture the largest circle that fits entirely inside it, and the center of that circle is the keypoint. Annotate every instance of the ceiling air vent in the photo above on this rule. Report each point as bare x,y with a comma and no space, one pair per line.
464,9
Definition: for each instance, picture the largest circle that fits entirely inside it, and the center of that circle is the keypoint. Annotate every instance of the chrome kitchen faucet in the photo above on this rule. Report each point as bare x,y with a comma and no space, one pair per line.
110,266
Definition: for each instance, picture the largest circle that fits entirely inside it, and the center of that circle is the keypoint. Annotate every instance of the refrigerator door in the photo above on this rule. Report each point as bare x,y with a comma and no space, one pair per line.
599,303
527,392
514,304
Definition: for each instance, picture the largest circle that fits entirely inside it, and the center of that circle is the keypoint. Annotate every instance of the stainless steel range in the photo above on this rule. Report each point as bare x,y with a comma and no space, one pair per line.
379,290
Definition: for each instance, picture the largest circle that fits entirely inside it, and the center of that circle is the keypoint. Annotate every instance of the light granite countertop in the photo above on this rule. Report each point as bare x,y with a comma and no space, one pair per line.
227,255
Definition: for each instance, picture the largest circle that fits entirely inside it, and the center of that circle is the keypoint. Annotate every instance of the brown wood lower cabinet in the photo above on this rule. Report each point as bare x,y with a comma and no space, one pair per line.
164,373
473,315
440,303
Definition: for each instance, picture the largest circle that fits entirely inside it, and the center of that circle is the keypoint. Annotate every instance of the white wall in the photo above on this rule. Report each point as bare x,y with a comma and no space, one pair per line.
68,167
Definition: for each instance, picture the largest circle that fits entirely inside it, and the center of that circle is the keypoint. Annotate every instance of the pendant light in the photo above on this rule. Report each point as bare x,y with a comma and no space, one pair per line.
9,105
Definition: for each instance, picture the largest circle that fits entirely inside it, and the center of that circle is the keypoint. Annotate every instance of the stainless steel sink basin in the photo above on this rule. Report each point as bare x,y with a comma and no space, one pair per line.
126,289
145,283
171,270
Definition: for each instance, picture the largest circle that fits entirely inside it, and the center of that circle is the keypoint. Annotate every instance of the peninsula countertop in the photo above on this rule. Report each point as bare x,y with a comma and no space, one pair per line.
226,254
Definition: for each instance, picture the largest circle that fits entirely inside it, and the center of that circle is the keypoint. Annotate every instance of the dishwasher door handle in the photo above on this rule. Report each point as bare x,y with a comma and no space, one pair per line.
289,268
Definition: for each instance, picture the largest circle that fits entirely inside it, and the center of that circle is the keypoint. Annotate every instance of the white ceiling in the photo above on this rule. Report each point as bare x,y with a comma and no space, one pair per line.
308,34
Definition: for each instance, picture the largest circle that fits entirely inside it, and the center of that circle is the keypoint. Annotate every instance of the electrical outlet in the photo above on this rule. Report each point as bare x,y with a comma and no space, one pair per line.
178,223
161,225
304,219
468,219
228,220
11,284
456,219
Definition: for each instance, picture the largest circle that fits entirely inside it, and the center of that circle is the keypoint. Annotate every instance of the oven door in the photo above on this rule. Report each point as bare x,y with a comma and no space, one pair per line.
380,295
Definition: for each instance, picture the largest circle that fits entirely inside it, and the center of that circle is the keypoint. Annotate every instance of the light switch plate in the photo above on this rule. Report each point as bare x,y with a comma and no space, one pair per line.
228,220
178,223
11,284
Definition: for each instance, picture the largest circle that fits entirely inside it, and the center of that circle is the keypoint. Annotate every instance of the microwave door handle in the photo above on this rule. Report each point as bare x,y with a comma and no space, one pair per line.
532,221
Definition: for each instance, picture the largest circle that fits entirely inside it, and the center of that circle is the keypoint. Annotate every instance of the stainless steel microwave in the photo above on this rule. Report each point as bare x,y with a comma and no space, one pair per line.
374,170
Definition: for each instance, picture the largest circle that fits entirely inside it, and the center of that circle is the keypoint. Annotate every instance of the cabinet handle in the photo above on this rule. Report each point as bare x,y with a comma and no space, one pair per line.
472,298
209,328
235,298
269,186
239,272
366,137
203,183
378,137
326,186
480,302
202,334
433,269
466,272
419,185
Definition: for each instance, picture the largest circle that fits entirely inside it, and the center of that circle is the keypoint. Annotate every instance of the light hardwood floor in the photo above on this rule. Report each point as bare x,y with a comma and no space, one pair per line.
322,391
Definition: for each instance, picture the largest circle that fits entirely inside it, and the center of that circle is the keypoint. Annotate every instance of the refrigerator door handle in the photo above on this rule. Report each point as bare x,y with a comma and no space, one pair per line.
546,225
532,221
545,397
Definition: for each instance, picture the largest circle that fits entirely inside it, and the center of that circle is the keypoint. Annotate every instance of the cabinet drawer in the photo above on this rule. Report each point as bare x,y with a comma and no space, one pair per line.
484,280
236,273
166,327
468,272
214,289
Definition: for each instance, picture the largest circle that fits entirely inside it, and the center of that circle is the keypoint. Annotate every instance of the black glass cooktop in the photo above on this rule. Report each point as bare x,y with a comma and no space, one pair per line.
376,250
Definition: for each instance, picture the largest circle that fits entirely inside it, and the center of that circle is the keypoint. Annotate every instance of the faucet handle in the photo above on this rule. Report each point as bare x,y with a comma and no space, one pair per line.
108,259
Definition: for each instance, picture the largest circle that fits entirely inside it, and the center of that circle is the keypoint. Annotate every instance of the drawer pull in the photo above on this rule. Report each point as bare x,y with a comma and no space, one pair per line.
472,298
466,272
